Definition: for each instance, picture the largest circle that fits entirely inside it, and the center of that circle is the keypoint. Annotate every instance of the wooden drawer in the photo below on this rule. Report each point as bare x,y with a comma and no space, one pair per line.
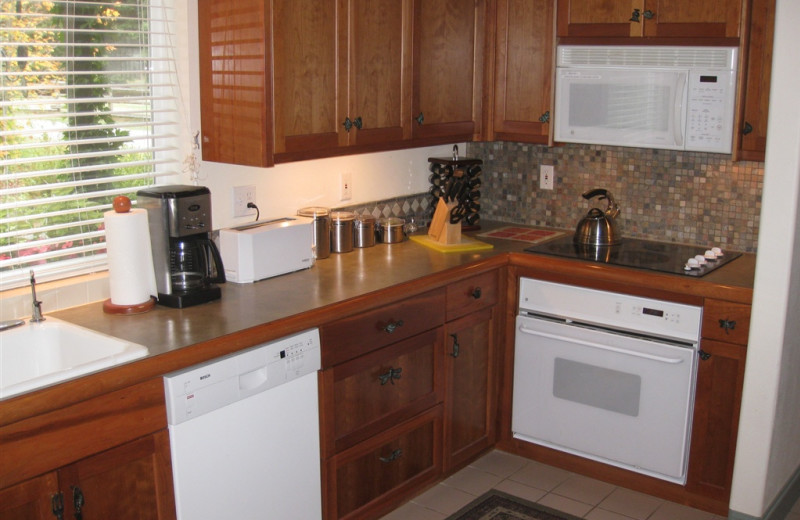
353,336
372,477
471,294
726,321
364,396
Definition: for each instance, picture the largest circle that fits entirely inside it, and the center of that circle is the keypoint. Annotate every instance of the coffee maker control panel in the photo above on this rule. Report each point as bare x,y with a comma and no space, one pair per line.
189,215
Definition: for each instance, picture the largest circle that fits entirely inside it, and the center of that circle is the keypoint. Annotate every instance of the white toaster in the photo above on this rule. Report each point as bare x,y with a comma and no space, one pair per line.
266,248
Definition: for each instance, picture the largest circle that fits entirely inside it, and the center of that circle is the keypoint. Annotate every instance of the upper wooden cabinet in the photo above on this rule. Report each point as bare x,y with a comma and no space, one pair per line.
755,85
523,71
649,18
341,75
448,64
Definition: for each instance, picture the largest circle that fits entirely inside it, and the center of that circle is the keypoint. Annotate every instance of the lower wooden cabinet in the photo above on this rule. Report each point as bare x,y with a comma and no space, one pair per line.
372,477
132,481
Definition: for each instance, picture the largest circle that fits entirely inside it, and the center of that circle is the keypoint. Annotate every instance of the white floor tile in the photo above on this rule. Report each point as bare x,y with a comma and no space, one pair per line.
473,481
540,476
444,499
630,503
500,463
567,505
584,489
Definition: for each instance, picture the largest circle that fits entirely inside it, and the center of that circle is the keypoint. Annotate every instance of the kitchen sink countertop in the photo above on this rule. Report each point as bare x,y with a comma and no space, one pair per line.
343,284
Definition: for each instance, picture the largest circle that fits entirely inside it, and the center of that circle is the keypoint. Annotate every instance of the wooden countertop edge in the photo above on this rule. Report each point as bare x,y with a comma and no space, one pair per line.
601,276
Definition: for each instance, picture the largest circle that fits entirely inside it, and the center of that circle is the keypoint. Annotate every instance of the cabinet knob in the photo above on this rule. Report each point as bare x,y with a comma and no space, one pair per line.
392,326
728,325
545,118
57,503
703,355
648,14
347,124
357,122
420,119
390,376
748,128
476,293
78,502
635,16
396,454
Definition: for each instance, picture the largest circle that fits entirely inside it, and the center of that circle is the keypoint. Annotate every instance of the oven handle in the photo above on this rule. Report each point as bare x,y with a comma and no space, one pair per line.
660,359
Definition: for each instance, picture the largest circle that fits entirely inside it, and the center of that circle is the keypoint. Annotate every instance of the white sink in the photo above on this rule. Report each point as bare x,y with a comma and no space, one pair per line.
38,354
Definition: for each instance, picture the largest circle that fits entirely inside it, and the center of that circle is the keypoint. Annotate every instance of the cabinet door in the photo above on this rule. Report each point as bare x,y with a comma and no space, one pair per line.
448,63
379,59
470,403
716,419
756,84
692,19
523,70
133,481
595,18
309,108
30,500
233,82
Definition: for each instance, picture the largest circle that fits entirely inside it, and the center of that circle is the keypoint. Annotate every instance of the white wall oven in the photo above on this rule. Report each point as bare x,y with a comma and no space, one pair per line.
606,376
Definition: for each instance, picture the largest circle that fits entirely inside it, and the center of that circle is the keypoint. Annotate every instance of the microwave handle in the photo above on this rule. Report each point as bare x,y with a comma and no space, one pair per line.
681,95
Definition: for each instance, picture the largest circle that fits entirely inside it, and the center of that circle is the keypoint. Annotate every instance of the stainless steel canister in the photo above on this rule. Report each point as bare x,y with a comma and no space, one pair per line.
390,230
364,231
321,238
342,231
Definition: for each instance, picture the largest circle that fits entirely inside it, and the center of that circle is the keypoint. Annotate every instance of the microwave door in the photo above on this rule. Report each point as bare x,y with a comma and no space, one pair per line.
621,107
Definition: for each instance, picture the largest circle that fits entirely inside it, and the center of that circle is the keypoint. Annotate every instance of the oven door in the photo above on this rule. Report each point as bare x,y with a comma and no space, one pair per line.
615,398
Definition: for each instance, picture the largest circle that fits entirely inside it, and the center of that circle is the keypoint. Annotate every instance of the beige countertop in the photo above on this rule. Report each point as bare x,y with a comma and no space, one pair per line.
250,314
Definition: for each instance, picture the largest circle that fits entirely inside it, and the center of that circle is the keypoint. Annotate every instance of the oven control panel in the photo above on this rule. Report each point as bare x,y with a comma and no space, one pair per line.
608,309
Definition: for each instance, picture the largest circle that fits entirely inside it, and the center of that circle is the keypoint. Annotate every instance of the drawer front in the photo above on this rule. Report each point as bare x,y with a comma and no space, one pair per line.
356,335
471,294
726,321
376,391
395,464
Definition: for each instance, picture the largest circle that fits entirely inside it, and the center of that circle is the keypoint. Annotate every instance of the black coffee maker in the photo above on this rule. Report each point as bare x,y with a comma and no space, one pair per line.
186,261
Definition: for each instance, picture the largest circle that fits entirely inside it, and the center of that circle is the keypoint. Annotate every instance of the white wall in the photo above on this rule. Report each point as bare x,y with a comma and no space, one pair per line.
768,450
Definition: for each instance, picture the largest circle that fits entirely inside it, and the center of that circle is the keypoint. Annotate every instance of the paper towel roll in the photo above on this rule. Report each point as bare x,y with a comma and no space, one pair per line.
132,279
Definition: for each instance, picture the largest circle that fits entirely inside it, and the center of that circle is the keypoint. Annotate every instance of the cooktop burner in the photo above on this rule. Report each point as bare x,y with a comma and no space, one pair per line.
631,252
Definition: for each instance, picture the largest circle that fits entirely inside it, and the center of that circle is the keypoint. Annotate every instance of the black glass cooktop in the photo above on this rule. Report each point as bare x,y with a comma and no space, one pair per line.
631,252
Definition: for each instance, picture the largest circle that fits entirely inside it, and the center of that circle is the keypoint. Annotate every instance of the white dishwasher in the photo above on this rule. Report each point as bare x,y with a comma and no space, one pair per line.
244,433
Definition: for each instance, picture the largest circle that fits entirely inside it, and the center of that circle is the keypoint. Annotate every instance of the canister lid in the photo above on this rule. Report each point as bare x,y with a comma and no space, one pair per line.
313,212
391,222
365,221
342,216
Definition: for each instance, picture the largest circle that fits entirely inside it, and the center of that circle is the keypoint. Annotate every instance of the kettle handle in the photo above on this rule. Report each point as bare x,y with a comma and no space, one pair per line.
613,209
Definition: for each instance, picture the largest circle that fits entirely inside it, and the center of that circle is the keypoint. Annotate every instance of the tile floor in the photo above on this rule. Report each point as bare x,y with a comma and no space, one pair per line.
575,494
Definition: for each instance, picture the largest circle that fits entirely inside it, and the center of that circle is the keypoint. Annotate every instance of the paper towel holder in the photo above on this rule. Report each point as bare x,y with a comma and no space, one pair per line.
122,204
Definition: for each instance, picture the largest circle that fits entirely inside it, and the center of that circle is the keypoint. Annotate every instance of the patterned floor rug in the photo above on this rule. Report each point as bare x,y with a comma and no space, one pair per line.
496,505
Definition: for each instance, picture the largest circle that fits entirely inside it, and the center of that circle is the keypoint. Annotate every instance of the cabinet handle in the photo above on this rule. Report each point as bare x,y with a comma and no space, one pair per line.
748,128
545,118
390,376
57,502
456,347
396,454
357,122
476,293
728,325
78,501
420,119
392,326
648,14
347,124
635,16
703,355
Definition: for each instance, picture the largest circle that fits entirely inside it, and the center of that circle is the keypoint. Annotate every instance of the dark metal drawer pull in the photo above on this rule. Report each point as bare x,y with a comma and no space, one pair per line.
456,347
396,454
390,376
728,325
78,501
703,355
477,293
392,326
57,502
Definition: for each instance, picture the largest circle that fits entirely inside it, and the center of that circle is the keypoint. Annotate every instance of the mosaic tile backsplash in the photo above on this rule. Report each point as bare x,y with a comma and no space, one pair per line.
686,197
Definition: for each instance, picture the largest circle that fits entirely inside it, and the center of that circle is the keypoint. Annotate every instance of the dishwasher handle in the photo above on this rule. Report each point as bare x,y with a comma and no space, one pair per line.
592,344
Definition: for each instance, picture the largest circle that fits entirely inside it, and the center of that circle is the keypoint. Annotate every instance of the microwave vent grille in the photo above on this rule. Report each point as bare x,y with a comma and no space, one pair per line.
655,56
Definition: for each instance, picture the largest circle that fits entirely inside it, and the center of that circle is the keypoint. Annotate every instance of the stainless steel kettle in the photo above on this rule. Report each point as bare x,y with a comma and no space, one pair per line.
598,227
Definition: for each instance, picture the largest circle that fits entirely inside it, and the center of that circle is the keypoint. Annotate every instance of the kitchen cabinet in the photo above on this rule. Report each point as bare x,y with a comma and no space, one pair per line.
523,71
755,85
720,377
341,75
448,69
234,102
669,19
107,457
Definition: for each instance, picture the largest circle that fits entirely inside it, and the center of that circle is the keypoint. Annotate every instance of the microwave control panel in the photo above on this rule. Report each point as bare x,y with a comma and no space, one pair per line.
709,121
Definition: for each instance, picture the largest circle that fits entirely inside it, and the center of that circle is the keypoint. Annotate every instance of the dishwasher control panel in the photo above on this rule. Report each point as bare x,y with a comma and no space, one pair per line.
206,387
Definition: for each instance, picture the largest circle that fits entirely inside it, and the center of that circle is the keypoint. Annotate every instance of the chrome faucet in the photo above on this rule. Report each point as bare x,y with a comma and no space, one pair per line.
36,312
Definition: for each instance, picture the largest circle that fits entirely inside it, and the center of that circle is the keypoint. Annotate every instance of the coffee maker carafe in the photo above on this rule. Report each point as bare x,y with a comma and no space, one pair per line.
186,261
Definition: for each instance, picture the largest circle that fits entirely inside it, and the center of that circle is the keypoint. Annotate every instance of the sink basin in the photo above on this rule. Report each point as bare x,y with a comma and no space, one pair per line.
38,354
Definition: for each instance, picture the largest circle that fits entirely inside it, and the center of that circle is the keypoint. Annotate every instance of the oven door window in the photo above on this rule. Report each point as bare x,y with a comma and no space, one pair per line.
618,399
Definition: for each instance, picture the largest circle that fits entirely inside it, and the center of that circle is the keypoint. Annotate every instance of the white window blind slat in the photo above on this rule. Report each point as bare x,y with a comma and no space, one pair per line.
89,110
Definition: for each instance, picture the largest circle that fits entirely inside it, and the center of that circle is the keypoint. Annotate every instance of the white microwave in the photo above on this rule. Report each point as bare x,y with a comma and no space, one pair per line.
676,98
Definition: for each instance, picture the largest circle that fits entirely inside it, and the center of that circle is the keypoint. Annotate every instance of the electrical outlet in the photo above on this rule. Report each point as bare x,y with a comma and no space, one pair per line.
547,176
346,186
241,196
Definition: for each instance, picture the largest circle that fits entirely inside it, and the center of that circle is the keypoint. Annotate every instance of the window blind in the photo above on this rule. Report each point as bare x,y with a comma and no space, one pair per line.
88,111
